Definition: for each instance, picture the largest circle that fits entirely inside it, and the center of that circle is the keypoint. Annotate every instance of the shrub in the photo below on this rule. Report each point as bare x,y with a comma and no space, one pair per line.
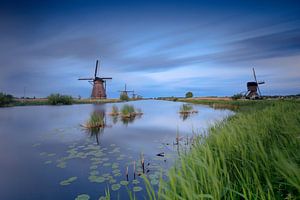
127,110
6,99
237,96
189,95
124,96
56,99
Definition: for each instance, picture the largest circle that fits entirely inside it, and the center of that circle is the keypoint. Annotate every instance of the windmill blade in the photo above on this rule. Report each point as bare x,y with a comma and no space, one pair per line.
254,75
106,77
258,91
85,79
261,82
96,69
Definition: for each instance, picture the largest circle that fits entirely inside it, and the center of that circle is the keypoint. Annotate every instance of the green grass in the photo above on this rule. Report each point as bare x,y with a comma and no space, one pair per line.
252,155
57,99
127,110
96,120
186,108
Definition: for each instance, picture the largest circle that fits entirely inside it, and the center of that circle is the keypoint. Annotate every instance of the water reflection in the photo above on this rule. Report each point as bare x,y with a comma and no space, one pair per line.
96,124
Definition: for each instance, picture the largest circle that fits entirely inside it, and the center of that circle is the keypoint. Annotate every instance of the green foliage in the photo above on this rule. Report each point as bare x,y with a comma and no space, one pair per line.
6,99
96,120
56,99
189,95
252,155
124,96
127,110
115,110
237,96
184,108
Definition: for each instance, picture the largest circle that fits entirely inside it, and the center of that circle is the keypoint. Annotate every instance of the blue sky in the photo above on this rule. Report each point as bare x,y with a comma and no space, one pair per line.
159,48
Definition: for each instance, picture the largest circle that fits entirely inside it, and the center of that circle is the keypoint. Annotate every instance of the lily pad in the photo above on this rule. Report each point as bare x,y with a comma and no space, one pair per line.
94,172
137,189
106,164
82,197
124,183
48,162
96,179
115,187
61,165
68,181
135,181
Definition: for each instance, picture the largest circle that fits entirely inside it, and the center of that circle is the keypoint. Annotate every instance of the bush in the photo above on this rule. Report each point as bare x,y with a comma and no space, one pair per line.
6,99
56,99
124,96
237,96
189,95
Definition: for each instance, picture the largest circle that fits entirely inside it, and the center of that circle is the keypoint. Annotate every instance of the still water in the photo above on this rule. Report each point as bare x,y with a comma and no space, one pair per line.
46,154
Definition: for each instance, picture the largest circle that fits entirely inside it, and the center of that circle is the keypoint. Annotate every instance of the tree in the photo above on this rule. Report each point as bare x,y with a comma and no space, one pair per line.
124,96
189,95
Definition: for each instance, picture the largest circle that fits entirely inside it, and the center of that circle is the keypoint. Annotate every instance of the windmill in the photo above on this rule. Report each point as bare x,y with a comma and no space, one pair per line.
253,88
99,84
125,91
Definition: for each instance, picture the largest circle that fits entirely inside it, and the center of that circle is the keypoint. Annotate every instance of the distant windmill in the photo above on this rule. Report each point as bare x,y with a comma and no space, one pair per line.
99,84
125,91
253,88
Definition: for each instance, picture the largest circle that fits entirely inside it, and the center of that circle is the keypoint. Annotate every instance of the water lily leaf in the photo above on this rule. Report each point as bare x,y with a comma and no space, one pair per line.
137,189
116,171
106,164
96,179
135,181
94,172
93,167
154,182
111,181
68,181
118,174
82,197
48,162
115,187
43,153
124,183
61,165
51,154
36,144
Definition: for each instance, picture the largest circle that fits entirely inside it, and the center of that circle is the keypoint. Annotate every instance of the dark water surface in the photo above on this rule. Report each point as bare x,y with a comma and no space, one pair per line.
41,146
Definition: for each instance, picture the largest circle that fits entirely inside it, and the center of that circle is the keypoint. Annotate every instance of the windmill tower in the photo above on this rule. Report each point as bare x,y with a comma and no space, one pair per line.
125,91
99,84
253,88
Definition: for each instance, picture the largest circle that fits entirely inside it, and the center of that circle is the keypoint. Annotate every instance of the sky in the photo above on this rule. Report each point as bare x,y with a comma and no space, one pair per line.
158,48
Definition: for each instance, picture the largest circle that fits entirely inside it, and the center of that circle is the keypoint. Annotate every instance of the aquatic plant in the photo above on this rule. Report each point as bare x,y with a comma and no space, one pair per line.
252,155
127,110
56,99
97,120
114,111
186,109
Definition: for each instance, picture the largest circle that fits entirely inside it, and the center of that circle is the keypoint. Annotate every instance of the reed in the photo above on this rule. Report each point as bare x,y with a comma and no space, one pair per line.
96,121
114,111
252,155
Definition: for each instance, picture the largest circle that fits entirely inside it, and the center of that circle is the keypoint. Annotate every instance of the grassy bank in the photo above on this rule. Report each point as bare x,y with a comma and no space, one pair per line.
252,155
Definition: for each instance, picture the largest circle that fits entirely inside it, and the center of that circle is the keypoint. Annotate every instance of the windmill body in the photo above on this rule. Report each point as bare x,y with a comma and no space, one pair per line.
253,91
99,85
125,91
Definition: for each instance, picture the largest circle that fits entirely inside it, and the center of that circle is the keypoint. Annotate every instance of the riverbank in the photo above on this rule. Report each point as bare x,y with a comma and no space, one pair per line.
44,101
252,155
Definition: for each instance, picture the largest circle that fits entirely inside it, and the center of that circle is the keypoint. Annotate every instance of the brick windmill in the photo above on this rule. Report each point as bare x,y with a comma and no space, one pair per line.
99,84
253,88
